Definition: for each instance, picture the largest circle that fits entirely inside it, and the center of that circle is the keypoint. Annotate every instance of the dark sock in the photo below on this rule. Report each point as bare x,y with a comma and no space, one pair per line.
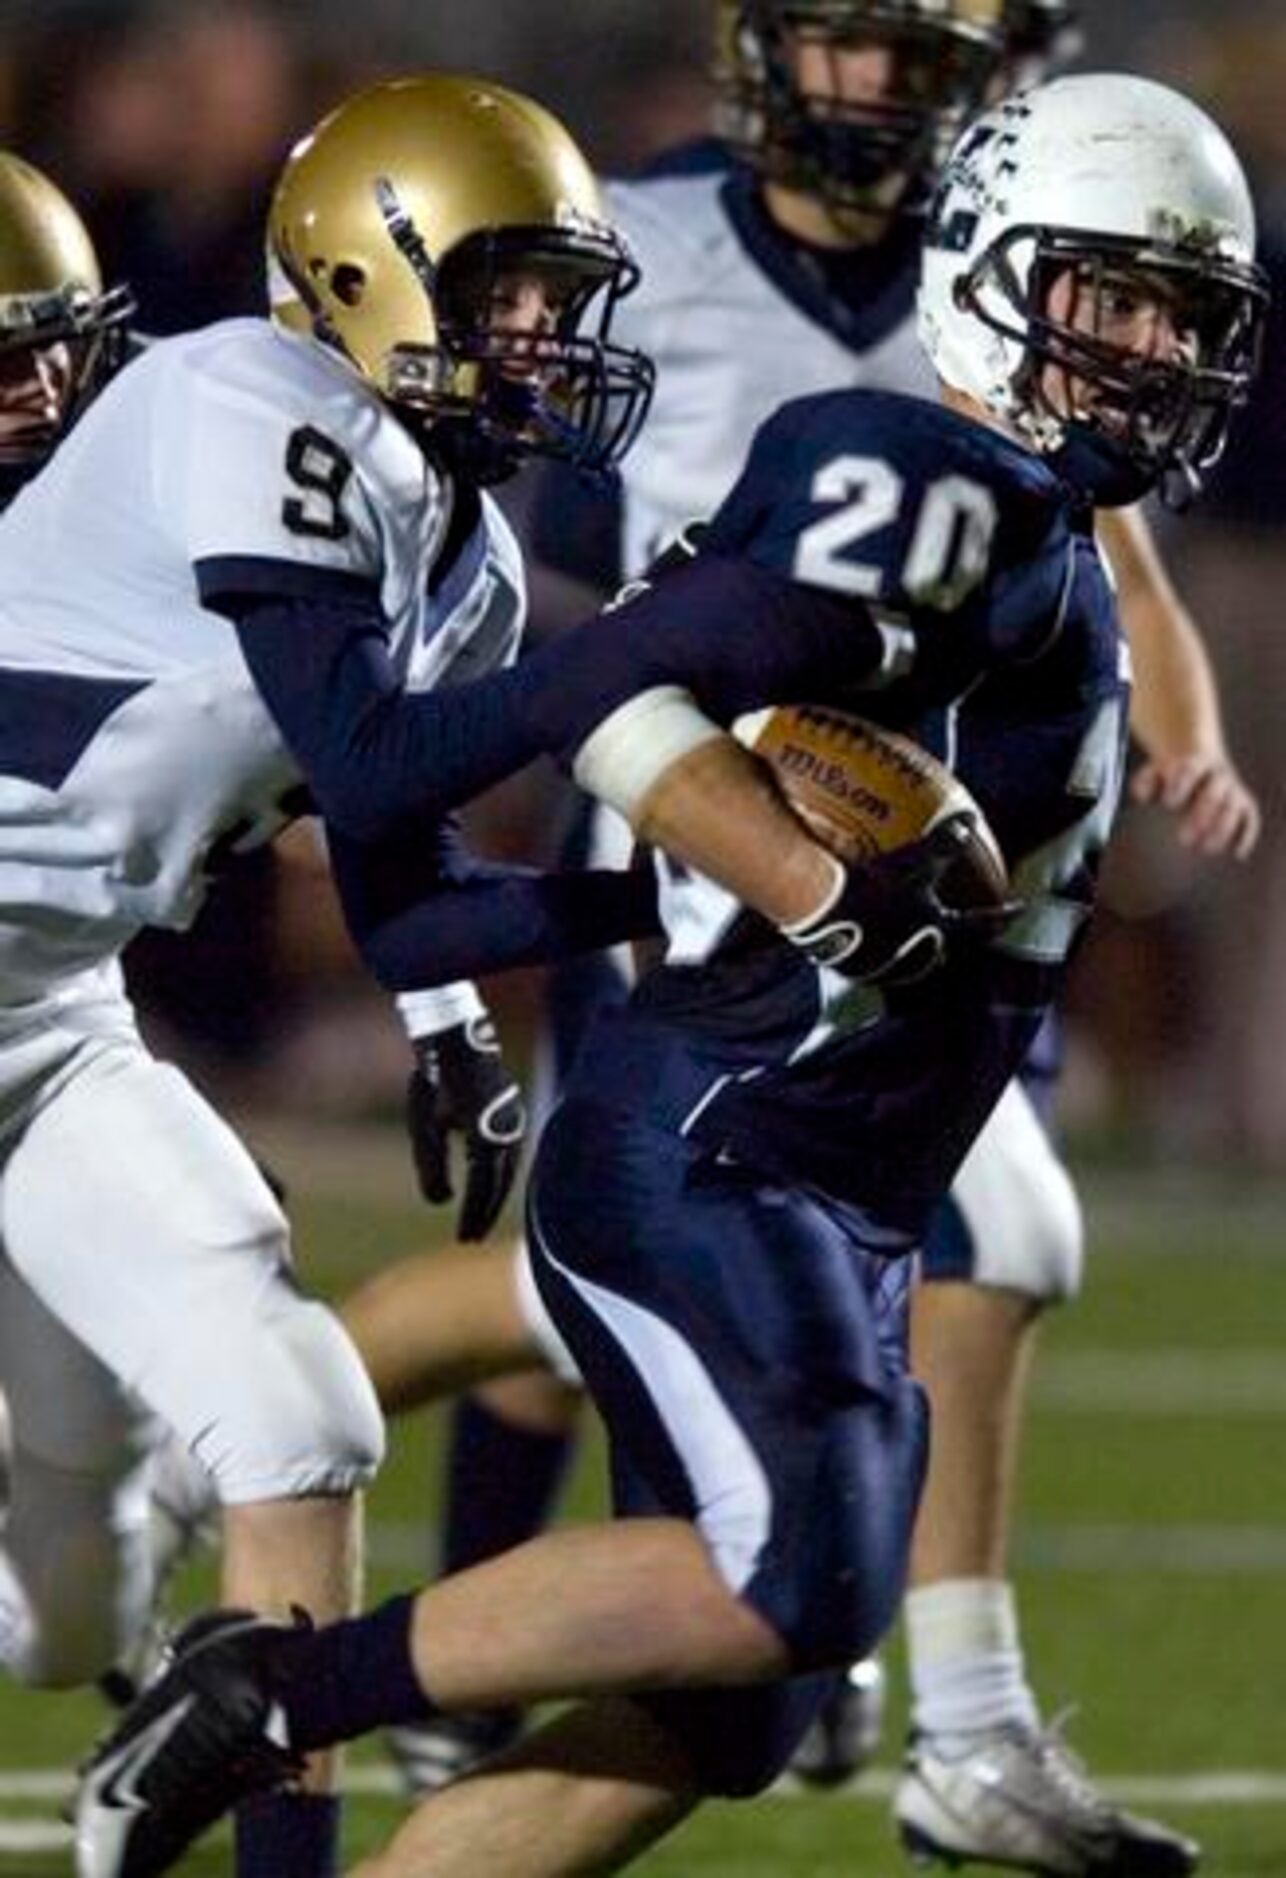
288,1835
343,1680
501,1483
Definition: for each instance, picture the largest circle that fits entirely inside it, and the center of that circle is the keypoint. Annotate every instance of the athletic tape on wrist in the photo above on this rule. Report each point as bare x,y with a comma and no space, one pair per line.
625,756
441,1007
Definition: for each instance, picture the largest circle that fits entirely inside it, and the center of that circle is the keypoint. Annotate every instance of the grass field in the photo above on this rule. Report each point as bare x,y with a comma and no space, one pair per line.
1150,1551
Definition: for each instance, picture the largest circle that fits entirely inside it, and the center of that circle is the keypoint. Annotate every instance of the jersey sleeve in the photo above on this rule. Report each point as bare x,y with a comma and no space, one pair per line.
265,492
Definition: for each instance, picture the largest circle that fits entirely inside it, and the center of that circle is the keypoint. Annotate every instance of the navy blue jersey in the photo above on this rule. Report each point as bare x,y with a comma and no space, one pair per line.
1002,655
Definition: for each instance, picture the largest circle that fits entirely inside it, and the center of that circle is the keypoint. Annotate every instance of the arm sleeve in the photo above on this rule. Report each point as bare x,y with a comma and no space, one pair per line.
378,758
427,912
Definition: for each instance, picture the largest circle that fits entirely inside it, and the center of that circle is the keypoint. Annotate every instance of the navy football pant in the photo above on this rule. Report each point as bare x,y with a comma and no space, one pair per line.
746,1349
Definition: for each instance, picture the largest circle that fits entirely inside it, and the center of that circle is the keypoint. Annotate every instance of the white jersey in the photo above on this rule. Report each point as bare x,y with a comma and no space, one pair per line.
134,747
733,336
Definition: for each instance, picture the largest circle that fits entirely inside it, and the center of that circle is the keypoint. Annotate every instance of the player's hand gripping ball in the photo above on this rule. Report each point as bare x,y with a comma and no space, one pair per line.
923,862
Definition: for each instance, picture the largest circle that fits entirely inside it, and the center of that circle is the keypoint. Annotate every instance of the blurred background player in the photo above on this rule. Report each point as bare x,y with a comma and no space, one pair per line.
778,259
723,1206
61,337
255,486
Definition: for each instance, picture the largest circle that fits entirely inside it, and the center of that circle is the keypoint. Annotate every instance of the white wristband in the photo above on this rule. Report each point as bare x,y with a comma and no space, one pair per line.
428,1013
627,753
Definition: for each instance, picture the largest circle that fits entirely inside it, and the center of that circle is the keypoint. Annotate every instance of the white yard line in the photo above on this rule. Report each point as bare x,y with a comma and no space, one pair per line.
1179,1551
1091,1547
1226,1787
1182,1380
24,1836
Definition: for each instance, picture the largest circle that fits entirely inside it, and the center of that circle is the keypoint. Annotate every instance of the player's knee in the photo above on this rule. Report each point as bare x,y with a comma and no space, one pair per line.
307,1421
831,1586
1046,1262
1063,1250
833,1610
849,1623
1034,1245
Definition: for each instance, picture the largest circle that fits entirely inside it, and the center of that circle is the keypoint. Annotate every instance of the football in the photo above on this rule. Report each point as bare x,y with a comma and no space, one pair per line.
864,791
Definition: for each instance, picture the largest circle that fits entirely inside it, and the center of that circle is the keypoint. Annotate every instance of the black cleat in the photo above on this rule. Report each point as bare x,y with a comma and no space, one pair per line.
207,1732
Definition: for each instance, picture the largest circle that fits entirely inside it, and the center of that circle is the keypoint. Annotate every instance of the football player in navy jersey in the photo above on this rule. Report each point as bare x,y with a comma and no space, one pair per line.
780,259
749,1149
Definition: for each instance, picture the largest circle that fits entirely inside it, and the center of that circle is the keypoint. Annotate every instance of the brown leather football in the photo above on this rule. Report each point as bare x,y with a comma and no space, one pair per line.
864,791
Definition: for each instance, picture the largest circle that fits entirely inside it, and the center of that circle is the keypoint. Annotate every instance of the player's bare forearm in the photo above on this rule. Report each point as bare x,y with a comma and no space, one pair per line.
718,810
1175,706
1175,713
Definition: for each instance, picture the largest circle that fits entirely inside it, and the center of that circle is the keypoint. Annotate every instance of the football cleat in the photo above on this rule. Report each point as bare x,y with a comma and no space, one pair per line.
431,1754
844,1738
207,1732
1019,1797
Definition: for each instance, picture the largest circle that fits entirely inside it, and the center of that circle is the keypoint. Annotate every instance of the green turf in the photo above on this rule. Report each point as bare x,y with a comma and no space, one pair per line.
1150,1540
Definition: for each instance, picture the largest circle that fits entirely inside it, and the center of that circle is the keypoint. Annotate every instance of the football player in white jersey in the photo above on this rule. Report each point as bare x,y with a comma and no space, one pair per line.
61,338
246,524
778,260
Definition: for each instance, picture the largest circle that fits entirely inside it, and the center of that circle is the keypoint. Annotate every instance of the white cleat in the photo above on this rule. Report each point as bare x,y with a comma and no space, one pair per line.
846,1735
1018,1797
431,1754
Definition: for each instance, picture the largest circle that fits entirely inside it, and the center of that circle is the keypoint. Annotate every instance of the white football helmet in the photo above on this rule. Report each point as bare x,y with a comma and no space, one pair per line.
1119,185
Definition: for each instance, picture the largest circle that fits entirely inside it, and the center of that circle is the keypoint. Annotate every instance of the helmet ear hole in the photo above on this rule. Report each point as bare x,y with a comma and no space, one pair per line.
348,283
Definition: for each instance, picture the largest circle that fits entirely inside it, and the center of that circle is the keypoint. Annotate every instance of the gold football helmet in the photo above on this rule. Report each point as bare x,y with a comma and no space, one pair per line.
852,154
60,333
407,222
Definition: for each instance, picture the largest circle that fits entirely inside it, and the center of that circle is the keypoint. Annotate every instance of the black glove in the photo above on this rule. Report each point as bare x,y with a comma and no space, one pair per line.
460,1086
895,916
